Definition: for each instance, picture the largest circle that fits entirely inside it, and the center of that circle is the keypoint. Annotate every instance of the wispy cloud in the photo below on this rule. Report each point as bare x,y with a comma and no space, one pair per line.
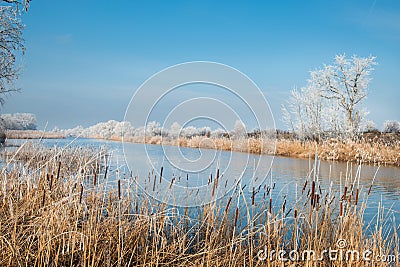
383,21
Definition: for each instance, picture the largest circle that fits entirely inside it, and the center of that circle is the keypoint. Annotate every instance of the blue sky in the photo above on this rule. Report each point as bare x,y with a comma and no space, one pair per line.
84,61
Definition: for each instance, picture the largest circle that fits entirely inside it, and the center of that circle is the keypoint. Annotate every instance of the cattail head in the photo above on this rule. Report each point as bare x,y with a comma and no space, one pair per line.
161,172
119,189
58,170
95,179
228,204
357,192
284,206
81,195
252,197
236,216
172,182
44,197
345,193
51,182
304,186
369,190
105,173
270,205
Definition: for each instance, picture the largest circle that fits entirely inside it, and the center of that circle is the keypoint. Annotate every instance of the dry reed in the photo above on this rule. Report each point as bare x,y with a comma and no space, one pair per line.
32,134
369,151
77,219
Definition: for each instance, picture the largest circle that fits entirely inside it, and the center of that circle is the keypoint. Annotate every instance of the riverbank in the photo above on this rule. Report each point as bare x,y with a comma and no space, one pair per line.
32,134
376,149
384,150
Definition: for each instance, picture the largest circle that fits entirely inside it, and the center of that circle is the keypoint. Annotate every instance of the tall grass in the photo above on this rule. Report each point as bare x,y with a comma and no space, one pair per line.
32,134
70,207
369,151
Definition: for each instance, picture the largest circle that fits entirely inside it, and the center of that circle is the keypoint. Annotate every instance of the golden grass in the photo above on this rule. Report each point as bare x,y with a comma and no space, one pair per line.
333,149
369,151
57,209
32,134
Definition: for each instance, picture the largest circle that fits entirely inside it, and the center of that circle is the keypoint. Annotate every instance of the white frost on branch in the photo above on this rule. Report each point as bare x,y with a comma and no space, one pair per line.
107,129
346,81
19,121
117,129
239,130
391,126
331,102
11,46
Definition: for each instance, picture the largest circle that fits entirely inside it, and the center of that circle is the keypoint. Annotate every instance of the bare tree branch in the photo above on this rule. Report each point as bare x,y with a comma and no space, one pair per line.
11,45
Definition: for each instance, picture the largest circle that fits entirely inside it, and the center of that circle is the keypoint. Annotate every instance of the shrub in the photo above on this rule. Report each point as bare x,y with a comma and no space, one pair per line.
391,126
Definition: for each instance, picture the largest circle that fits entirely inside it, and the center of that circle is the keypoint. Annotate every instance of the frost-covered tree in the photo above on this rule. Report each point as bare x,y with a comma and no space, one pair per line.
117,129
292,113
123,129
331,102
391,126
188,132
218,133
139,131
11,44
175,129
103,129
239,130
370,126
19,121
333,119
346,81
107,129
153,128
203,131
77,131
304,112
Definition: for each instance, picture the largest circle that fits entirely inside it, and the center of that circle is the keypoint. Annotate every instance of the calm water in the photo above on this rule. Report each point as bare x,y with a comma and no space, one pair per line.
187,172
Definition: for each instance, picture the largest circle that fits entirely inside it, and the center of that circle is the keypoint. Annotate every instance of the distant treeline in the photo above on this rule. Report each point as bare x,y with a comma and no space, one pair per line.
114,128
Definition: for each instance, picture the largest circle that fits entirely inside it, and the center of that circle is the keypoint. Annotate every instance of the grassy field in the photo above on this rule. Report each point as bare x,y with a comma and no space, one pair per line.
60,207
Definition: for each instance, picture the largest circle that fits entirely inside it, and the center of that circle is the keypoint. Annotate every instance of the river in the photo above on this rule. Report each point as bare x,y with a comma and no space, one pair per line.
188,171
